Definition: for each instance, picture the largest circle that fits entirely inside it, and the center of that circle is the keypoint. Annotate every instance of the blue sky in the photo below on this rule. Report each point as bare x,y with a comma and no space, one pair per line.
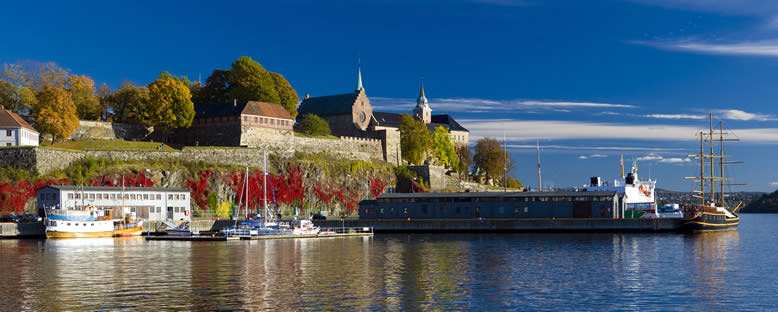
588,80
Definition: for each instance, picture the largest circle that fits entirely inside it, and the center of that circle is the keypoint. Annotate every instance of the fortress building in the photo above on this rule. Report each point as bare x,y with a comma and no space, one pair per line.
347,114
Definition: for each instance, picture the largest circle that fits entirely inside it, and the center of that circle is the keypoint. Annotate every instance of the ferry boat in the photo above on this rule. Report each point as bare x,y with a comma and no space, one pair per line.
639,199
712,212
89,222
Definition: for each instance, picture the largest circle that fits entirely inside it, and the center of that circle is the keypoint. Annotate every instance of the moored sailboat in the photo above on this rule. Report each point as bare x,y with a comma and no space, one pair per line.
712,212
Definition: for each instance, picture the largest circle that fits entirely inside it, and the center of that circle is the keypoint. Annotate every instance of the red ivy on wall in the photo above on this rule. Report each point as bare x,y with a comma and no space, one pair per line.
14,196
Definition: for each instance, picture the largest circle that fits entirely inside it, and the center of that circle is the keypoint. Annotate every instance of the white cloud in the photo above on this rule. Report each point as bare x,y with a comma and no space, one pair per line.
734,114
531,130
774,184
649,157
729,7
674,116
662,159
675,160
471,105
591,148
759,48
592,156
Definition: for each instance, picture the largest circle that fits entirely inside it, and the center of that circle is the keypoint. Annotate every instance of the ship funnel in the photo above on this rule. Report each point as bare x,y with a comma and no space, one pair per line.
595,181
630,178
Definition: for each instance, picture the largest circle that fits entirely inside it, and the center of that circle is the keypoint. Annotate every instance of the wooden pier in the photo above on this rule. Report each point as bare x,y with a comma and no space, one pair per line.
223,238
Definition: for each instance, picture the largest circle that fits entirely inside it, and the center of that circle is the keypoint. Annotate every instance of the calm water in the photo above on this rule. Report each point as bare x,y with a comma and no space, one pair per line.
727,271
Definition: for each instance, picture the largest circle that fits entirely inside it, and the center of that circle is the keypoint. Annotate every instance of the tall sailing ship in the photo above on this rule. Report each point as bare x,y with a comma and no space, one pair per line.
712,211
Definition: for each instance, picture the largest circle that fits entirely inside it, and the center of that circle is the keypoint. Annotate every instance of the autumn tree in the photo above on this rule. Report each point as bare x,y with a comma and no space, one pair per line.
129,104
15,92
287,96
465,159
55,112
415,139
311,124
170,104
442,149
249,81
490,157
82,90
104,98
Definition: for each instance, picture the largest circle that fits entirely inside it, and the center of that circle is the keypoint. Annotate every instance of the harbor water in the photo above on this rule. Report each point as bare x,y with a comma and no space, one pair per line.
717,271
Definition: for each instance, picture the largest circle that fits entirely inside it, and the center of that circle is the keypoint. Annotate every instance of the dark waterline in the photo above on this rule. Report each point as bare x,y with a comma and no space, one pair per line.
724,271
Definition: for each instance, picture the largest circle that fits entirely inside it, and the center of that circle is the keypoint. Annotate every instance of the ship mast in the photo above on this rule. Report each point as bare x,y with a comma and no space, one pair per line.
712,178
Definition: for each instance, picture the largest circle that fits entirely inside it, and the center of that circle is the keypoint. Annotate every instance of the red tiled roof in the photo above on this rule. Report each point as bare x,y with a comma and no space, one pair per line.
11,119
266,109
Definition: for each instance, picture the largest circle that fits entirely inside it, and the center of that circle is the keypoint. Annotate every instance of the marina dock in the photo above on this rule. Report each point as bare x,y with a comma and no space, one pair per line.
210,238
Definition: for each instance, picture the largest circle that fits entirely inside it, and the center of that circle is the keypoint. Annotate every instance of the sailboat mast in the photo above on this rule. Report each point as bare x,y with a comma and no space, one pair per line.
702,170
264,184
247,193
712,160
540,185
721,162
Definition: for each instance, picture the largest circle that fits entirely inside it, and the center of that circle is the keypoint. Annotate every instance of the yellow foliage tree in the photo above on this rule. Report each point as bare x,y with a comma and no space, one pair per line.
82,90
224,210
170,104
55,112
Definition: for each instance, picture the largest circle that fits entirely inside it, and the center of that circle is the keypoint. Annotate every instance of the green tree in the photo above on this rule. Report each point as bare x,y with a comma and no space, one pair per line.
249,81
286,94
55,112
129,104
311,124
104,97
82,89
414,139
490,157
514,184
465,159
15,95
442,149
215,90
170,104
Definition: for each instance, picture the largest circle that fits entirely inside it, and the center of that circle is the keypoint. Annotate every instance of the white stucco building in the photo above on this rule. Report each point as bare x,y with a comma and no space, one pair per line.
14,131
147,203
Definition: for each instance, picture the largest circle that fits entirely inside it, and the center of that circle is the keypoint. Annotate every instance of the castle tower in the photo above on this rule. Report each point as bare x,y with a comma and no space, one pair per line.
422,111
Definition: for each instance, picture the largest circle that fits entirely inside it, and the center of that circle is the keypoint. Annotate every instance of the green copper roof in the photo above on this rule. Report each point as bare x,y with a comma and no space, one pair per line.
359,79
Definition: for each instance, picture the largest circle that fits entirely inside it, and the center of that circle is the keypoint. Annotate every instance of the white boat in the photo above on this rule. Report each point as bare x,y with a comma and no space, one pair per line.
639,199
89,222
183,229
304,227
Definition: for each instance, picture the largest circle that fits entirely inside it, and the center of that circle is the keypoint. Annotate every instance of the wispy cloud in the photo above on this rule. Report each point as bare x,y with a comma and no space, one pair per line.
774,184
591,148
674,116
734,114
662,159
531,130
592,156
486,105
729,7
759,48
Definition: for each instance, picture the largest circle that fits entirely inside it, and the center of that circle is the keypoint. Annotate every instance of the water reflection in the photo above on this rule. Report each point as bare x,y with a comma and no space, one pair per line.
524,271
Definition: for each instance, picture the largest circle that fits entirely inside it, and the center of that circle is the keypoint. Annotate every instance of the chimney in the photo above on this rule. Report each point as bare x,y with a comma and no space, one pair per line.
234,102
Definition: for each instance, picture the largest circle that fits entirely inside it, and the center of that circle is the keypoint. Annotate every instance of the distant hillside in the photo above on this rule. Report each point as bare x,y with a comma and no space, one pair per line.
764,204
665,197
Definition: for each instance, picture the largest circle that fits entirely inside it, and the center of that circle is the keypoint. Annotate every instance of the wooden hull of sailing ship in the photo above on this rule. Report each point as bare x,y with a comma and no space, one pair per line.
711,219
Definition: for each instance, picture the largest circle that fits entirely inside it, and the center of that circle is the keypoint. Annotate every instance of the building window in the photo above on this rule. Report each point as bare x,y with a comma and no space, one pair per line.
170,196
145,196
7,132
70,195
99,196
7,144
132,196
159,197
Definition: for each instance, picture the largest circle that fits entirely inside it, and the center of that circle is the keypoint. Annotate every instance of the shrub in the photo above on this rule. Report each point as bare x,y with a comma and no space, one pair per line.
312,125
